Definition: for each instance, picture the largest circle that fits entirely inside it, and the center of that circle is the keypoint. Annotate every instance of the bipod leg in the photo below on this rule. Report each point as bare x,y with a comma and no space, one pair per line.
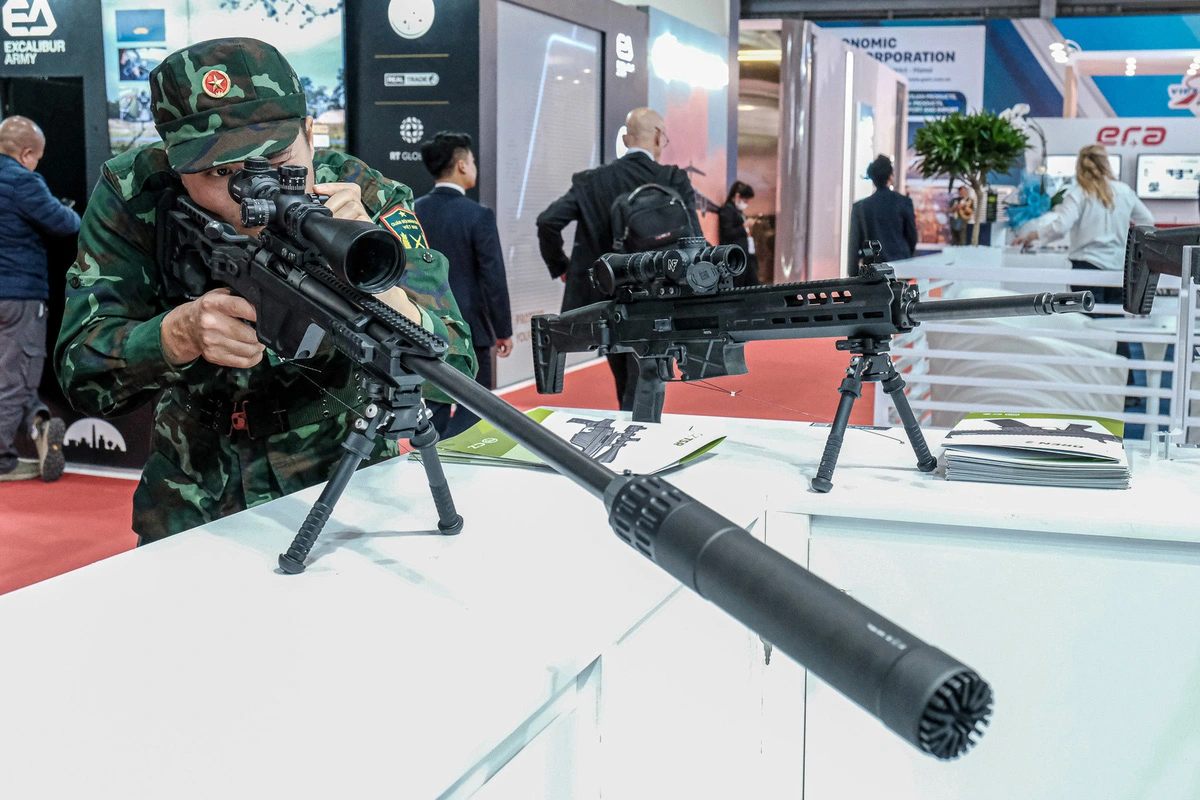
425,439
893,384
851,390
358,446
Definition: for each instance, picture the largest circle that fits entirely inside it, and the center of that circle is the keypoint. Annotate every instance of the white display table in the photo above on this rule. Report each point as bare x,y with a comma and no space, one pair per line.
535,655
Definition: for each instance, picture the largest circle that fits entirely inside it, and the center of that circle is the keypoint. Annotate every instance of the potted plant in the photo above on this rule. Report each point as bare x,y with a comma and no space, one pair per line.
967,147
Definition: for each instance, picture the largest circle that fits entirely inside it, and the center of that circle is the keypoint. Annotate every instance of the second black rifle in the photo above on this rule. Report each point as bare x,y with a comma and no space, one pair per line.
677,309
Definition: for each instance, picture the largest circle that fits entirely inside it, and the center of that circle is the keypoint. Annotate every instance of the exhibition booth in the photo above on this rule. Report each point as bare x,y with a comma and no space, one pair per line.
586,603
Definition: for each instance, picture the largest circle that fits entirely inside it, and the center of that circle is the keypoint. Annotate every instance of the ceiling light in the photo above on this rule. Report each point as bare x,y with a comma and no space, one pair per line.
558,77
760,55
1131,60
1057,46
587,72
1191,71
577,80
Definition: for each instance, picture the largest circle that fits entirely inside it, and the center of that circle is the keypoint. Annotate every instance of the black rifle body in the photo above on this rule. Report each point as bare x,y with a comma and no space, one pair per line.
705,335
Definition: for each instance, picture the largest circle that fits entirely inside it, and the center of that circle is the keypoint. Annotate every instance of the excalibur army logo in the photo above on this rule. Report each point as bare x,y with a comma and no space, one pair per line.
32,18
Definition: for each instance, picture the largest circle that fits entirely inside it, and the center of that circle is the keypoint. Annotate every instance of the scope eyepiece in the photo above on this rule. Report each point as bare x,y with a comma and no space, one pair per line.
361,254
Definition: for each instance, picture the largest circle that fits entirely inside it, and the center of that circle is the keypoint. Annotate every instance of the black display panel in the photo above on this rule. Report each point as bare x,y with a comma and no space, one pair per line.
412,69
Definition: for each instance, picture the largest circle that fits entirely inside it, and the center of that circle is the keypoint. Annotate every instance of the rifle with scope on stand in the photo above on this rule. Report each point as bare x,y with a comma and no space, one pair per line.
310,276
678,307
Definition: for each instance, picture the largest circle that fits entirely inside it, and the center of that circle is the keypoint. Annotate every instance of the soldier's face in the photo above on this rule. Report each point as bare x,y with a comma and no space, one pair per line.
210,189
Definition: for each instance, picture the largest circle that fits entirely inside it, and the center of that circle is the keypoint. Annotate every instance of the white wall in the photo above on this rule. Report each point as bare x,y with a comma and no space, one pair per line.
712,15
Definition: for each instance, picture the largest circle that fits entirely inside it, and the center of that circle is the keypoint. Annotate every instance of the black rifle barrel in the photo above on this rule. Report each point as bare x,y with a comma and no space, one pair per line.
930,699
1021,305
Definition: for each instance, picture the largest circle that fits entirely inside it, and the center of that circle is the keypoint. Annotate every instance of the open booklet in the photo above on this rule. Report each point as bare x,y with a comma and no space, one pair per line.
641,447
1060,450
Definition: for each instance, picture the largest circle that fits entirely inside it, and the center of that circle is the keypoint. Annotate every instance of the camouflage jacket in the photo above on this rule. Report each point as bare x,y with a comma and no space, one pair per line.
110,360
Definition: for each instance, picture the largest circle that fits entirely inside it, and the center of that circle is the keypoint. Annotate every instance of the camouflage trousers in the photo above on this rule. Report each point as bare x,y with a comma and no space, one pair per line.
196,475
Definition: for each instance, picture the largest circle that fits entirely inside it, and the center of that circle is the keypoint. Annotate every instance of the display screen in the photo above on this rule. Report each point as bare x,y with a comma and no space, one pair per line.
1063,167
1168,177
547,129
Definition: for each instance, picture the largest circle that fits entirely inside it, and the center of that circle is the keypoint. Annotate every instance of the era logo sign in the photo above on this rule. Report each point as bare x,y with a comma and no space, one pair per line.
19,17
1133,135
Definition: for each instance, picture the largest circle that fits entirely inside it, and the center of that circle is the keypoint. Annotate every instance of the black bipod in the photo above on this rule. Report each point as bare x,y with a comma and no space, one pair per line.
395,414
871,361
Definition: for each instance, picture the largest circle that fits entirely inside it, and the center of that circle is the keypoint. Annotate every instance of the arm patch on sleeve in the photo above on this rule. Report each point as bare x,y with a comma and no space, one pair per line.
405,225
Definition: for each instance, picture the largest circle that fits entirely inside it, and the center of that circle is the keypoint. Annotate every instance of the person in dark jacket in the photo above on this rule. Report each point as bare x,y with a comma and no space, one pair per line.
27,212
731,229
589,202
885,217
466,233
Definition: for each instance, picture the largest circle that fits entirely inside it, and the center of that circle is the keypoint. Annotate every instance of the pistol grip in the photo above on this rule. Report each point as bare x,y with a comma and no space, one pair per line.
549,363
650,391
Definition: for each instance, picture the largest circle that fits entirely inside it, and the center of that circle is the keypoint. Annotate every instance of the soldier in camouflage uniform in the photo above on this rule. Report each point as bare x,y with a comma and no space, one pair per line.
235,426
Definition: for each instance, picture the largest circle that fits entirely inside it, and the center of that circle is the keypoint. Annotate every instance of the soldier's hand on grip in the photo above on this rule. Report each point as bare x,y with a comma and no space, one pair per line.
214,327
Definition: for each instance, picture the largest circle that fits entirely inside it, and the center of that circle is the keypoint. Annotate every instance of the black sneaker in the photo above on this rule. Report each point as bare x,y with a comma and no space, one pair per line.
49,441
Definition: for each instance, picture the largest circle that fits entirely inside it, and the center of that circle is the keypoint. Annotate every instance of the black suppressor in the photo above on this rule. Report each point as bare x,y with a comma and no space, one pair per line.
692,266
360,253
1022,305
930,699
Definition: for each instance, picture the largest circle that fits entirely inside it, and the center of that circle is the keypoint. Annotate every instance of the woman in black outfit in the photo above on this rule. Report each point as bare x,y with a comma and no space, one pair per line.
732,230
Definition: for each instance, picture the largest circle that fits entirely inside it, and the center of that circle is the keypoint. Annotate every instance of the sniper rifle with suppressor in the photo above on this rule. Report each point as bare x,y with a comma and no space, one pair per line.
310,276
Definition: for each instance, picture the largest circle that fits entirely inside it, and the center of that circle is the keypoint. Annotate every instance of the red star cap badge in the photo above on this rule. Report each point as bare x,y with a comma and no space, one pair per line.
216,83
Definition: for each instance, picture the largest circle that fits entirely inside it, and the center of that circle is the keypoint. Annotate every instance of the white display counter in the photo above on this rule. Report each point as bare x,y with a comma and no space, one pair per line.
537,656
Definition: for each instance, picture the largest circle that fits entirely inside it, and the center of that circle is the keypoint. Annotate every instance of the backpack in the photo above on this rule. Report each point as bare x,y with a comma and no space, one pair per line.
649,218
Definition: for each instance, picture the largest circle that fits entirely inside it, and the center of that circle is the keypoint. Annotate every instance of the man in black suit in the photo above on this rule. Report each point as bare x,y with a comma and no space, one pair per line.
885,216
589,201
465,232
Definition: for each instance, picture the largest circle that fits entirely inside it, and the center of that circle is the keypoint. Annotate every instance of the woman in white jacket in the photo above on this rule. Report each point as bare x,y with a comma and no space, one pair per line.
1096,212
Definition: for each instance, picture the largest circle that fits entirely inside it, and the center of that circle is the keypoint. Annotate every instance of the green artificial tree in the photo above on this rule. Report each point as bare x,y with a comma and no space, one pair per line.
967,147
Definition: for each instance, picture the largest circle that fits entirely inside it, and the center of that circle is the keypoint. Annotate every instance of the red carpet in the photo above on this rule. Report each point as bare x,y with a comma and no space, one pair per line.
47,529
50,528
795,380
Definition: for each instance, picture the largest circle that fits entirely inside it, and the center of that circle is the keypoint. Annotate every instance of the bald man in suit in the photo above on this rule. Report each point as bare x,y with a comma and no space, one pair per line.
589,201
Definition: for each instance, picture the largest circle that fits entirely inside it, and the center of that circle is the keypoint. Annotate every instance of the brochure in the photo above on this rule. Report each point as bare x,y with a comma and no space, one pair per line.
640,447
1060,450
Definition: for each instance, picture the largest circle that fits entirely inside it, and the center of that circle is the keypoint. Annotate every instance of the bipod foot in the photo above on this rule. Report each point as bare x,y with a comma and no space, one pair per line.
358,447
450,522
851,390
893,384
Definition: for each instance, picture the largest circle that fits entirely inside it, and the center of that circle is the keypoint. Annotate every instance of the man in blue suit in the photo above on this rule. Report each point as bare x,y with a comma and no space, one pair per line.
886,217
465,232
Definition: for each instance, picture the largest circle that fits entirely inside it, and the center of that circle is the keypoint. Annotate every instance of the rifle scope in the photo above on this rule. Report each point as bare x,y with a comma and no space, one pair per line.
360,253
692,263
1022,305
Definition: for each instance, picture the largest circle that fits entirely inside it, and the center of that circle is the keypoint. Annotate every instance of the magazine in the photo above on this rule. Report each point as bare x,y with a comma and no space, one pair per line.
640,447
1060,450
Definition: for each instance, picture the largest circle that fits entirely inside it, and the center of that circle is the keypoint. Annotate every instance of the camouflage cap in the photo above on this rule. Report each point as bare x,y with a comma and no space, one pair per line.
224,100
